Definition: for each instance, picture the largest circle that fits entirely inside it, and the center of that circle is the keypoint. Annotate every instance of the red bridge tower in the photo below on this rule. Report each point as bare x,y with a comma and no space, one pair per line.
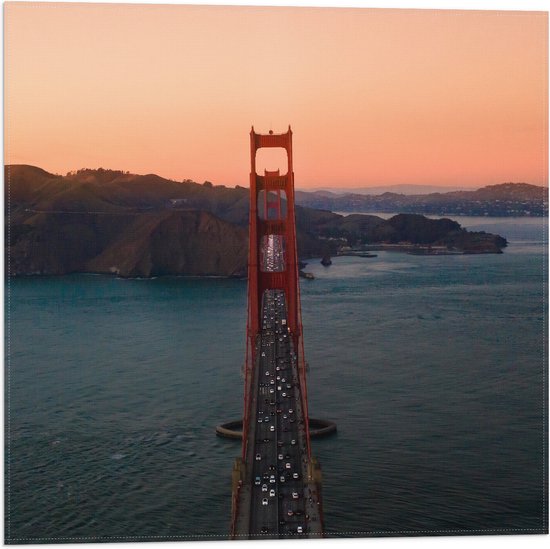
275,433
272,214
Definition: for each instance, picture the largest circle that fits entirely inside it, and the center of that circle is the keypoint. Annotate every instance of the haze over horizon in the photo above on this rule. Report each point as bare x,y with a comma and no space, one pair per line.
375,97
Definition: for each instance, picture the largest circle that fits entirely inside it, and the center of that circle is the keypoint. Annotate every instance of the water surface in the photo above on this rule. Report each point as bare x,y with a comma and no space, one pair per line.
432,367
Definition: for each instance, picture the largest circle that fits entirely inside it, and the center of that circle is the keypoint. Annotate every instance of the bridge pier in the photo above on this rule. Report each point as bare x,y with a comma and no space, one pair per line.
318,428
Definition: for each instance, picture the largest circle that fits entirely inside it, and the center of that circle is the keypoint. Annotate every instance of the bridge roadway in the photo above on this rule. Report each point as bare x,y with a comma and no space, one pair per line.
280,497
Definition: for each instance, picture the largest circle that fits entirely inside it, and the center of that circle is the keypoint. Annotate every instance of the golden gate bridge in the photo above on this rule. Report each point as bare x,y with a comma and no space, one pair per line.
276,481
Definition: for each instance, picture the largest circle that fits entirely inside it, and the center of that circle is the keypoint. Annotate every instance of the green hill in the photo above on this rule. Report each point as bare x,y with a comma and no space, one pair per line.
109,221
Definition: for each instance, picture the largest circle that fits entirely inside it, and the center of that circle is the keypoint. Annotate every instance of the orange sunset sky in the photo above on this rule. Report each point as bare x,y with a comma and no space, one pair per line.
374,96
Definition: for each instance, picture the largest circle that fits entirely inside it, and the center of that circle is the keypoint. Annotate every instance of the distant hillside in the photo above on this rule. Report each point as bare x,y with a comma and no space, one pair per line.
108,221
404,188
506,199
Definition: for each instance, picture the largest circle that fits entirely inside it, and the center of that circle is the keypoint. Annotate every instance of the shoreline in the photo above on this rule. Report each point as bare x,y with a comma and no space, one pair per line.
364,252
414,249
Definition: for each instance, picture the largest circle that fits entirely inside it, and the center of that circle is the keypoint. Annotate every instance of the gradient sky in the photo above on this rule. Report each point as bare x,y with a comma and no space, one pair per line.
374,96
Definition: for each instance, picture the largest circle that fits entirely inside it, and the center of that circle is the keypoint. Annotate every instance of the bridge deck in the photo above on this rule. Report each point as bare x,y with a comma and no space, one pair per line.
280,496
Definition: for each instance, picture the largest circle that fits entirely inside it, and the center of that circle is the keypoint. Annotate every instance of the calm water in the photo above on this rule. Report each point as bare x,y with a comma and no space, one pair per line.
432,368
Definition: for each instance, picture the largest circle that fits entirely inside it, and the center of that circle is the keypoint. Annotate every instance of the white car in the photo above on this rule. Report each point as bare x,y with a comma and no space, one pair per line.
299,530
272,493
264,501
258,457
280,456
287,465
272,428
295,495
264,487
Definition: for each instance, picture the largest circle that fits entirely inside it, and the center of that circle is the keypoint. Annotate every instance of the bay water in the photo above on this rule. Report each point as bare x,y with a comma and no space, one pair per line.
433,368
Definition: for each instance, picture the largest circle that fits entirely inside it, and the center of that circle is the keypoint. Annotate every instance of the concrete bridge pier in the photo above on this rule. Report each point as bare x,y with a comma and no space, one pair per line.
318,428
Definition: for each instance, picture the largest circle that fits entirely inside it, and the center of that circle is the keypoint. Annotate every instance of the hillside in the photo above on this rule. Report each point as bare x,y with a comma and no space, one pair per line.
108,221
506,199
399,188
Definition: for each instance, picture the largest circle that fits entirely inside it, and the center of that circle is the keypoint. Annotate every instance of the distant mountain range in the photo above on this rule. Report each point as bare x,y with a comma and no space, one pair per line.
506,199
109,221
403,188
